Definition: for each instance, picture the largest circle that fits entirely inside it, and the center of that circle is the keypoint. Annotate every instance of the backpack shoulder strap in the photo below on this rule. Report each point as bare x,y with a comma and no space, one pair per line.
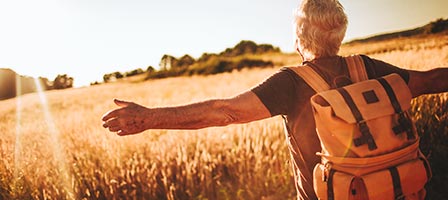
312,78
356,68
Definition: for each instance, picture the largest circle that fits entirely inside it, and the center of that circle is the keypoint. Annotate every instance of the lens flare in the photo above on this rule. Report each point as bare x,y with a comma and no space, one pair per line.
54,133
18,139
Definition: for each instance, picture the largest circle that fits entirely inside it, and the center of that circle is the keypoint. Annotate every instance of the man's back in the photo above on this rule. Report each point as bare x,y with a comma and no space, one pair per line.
287,94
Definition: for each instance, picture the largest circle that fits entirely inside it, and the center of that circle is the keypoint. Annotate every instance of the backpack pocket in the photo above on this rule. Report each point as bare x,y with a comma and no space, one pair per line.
405,180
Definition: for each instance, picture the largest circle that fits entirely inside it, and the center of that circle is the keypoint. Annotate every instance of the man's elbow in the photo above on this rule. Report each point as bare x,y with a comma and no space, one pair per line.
225,113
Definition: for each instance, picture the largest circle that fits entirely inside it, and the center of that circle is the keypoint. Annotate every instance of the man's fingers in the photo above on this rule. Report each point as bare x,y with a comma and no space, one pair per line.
114,125
122,133
111,123
109,115
119,112
122,103
114,129
126,132
114,113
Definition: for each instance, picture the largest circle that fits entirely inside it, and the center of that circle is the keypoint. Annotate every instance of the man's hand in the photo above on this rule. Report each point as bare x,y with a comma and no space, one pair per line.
126,120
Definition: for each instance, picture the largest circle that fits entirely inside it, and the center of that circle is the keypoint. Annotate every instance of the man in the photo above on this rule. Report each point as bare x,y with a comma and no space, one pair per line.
320,29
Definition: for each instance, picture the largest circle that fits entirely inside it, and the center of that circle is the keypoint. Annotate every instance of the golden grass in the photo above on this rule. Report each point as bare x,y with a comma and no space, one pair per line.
156,164
60,150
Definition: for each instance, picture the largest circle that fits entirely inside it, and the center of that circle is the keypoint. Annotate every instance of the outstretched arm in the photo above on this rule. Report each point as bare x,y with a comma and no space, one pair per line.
131,118
428,82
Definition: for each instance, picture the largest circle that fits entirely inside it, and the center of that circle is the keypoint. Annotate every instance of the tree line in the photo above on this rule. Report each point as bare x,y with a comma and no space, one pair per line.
235,58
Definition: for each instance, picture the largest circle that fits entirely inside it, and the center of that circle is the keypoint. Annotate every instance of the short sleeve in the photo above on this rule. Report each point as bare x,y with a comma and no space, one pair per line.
277,92
377,68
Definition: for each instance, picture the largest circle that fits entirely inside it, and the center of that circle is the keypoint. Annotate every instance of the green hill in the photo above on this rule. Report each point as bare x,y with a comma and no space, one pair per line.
438,26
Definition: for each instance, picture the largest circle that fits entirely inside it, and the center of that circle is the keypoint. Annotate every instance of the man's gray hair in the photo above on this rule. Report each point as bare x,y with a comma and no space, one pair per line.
320,27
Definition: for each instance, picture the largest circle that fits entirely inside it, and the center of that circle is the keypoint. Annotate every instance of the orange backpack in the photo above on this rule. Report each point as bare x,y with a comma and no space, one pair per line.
370,148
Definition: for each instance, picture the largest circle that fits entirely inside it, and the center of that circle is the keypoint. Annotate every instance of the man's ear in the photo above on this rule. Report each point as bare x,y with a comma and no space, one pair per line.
296,44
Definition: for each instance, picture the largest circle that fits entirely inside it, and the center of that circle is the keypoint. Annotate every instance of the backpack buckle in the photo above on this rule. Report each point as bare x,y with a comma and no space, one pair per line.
366,137
326,171
404,125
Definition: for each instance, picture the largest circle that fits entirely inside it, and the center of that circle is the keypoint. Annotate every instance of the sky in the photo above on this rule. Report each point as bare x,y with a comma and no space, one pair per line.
89,38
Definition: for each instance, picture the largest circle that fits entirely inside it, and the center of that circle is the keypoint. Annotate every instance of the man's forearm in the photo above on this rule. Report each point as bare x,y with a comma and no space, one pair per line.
192,116
428,82
439,77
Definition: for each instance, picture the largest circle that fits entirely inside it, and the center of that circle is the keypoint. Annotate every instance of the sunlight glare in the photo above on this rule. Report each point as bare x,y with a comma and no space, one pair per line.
18,141
55,143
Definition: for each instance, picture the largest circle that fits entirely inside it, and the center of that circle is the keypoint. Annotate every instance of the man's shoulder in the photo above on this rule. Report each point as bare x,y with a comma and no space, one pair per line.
292,69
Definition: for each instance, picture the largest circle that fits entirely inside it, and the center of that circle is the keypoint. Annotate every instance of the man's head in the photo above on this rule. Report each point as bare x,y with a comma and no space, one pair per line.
320,27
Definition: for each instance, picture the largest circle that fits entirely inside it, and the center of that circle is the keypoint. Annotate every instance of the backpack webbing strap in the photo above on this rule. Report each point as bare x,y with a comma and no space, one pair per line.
366,136
427,168
404,124
356,68
398,191
312,78
330,189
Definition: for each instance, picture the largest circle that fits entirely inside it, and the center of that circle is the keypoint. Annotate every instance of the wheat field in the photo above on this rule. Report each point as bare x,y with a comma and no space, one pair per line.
53,145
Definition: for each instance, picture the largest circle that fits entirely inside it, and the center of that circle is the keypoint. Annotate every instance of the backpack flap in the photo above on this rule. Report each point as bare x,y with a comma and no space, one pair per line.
347,118
370,97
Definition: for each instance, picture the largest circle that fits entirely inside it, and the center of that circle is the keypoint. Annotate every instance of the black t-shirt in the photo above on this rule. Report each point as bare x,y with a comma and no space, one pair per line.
285,93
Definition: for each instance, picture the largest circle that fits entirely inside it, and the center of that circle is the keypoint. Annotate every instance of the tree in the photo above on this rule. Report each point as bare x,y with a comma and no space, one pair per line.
265,48
134,72
248,47
167,62
244,47
205,57
150,69
62,81
106,77
436,26
118,75
185,61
